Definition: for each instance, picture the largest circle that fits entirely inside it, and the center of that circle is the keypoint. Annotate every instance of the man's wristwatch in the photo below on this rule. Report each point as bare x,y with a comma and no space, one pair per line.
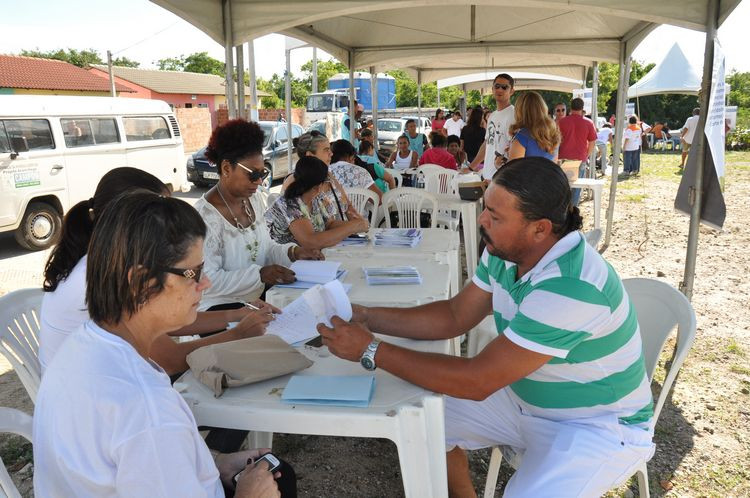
368,357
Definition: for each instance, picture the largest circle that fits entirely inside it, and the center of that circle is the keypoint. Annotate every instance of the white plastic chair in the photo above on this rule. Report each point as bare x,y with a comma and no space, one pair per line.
397,175
271,199
365,202
593,237
409,202
19,335
660,307
442,181
15,422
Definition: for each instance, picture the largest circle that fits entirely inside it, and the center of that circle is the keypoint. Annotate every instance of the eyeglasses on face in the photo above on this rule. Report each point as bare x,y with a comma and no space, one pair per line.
498,86
253,174
559,110
189,273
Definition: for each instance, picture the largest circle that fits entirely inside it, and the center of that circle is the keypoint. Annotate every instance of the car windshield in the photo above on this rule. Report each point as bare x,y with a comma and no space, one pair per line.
320,103
318,126
390,125
267,129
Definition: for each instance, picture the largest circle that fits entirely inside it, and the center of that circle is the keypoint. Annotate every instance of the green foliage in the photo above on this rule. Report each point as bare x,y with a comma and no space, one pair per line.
276,87
80,58
199,62
739,139
739,94
326,69
125,62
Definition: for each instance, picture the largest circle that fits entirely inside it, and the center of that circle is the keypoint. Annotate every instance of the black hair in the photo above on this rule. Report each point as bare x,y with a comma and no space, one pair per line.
137,236
576,104
453,139
437,139
543,192
309,172
341,150
80,220
234,140
409,121
365,133
475,118
506,76
365,146
437,113
633,120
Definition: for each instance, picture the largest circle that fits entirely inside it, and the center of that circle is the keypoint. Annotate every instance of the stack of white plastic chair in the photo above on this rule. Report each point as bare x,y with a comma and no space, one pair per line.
439,180
365,202
409,203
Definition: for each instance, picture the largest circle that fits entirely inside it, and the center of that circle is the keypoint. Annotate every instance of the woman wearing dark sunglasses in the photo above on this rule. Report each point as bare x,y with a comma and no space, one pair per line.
241,257
64,306
106,420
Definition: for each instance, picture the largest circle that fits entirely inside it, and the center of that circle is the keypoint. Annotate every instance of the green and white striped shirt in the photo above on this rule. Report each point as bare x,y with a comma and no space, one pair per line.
573,307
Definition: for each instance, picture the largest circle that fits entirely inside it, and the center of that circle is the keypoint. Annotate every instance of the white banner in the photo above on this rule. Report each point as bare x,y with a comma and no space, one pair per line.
585,95
715,119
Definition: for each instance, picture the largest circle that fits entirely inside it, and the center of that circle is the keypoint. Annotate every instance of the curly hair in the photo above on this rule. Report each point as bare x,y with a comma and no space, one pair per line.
531,113
233,140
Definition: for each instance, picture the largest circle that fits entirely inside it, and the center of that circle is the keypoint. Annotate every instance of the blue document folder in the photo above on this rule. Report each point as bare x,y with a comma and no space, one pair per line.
338,390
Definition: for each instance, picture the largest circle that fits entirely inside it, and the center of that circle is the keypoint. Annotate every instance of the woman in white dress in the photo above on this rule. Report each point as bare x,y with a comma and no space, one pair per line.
241,258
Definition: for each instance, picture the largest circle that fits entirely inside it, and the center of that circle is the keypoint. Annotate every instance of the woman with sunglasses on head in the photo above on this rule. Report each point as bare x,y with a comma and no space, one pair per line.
312,211
106,420
64,305
241,257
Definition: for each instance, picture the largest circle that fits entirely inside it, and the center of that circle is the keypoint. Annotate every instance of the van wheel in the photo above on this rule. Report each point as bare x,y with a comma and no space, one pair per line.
40,227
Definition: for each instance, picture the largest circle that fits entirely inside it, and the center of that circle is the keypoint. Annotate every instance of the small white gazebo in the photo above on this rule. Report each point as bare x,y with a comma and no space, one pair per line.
674,74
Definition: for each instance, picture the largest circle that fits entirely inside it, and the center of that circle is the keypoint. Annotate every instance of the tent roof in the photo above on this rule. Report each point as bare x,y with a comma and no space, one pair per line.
522,81
674,74
444,38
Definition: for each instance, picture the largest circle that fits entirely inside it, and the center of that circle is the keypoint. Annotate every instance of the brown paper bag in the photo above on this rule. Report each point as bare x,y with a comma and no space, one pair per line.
237,363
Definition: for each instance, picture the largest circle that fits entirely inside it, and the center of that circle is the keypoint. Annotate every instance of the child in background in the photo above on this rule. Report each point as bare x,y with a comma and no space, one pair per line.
384,181
632,147
438,154
454,149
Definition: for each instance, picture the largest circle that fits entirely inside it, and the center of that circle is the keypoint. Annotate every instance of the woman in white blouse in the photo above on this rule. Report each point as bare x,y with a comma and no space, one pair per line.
241,259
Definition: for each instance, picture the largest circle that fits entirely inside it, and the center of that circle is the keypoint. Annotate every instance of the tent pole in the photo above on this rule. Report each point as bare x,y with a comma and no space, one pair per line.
241,110
700,142
226,12
374,95
622,92
419,100
253,84
288,108
594,113
315,70
352,107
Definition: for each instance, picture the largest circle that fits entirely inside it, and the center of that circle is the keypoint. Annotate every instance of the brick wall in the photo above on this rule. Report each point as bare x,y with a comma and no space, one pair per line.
298,115
195,125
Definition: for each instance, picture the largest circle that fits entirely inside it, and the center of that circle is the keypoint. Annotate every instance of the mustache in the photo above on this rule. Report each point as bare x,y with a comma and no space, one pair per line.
483,233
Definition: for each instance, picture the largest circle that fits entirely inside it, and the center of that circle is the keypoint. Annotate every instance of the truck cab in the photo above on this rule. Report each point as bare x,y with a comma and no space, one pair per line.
321,103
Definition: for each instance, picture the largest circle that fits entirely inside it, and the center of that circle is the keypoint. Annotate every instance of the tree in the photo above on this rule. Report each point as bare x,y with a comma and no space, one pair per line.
82,58
199,62
326,69
125,62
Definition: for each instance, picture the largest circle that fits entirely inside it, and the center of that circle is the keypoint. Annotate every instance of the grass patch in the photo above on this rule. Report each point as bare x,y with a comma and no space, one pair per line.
635,197
16,452
739,369
734,348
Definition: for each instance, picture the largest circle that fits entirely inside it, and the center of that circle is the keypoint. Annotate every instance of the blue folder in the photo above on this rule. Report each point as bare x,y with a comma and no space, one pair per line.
340,390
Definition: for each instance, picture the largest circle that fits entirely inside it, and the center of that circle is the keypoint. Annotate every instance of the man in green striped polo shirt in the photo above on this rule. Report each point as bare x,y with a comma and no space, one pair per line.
564,382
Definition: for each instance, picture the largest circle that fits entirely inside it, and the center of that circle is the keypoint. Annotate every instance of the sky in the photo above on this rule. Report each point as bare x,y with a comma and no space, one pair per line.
143,31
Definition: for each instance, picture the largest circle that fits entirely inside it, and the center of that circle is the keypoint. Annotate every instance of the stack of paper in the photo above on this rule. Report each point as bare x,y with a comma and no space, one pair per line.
392,275
398,237
357,239
353,390
309,273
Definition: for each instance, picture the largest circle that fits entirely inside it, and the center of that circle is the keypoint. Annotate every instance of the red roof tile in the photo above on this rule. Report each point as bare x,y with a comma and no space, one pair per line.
46,74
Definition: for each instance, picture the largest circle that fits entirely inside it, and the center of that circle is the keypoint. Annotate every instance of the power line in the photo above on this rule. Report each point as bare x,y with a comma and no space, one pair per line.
147,38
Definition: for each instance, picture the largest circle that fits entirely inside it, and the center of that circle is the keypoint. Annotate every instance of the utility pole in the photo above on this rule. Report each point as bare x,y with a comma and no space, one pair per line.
111,77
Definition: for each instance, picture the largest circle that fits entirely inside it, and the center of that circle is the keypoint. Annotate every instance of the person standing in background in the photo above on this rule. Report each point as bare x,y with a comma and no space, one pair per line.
687,134
454,125
472,135
438,121
578,140
494,150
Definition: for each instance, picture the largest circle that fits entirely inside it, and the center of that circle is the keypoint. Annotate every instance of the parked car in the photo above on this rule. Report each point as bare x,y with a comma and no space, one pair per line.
204,174
319,125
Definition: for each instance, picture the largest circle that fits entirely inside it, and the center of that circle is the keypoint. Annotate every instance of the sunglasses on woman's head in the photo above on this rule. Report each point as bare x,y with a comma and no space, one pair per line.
189,273
253,174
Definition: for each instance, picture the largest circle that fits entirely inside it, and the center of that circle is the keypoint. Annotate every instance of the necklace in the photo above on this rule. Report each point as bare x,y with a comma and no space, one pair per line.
245,206
252,247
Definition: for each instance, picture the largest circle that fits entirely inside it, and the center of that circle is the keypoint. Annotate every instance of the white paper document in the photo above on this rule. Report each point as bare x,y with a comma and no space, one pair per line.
317,272
319,304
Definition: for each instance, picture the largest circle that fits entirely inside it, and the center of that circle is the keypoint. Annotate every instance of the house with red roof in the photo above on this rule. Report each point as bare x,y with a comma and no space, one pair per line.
32,75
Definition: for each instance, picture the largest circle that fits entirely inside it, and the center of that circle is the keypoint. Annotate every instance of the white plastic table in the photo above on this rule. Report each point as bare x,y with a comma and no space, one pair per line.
596,186
437,244
435,284
406,414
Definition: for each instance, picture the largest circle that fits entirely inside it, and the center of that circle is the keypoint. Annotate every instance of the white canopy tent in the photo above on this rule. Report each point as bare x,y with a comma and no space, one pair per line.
443,38
522,81
673,74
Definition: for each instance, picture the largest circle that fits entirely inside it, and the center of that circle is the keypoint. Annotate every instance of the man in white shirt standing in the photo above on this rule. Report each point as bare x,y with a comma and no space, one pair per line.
494,150
687,133
453,126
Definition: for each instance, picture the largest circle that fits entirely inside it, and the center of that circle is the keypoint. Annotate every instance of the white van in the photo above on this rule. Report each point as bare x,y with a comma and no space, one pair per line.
54,150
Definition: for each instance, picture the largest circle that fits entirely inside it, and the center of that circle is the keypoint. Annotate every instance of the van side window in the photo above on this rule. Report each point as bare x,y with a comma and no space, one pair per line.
81,132
4,143
29,134
146,128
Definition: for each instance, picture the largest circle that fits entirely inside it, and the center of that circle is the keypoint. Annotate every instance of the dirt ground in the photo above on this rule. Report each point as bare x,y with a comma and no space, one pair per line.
703,434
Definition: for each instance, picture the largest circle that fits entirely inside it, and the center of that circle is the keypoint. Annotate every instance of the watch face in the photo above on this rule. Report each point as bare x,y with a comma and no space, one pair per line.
367,363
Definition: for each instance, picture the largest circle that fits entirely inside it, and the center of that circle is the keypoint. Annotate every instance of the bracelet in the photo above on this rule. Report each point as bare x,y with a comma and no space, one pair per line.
293,258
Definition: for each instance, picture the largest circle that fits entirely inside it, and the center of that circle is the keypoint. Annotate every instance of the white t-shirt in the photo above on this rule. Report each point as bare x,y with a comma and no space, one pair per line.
63,311
454,127
497,138
602,136
631,139
107,423
233,259
691,124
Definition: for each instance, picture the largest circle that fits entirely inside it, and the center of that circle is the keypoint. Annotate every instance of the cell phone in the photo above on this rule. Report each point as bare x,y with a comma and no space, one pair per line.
315,342
273,465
